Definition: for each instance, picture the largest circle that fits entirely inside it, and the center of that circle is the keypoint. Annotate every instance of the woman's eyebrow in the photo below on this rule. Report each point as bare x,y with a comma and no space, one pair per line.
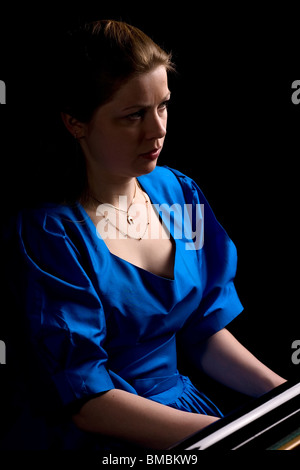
146,106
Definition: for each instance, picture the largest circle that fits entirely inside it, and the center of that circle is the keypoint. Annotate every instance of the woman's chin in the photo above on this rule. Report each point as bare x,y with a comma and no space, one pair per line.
148,166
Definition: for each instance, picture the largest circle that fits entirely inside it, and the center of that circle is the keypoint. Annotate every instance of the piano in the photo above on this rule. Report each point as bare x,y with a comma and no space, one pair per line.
270,422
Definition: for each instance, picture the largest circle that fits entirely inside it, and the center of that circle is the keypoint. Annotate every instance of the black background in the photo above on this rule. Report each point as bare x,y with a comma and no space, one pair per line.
232,127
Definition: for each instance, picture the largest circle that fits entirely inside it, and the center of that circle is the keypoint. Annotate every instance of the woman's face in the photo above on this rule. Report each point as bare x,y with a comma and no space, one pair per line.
125,136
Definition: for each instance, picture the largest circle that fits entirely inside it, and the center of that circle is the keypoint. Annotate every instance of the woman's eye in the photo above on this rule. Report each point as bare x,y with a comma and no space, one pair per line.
141,112
137,115
164,105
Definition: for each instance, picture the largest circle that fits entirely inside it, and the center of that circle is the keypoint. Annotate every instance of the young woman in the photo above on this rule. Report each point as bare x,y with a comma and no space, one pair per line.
118,273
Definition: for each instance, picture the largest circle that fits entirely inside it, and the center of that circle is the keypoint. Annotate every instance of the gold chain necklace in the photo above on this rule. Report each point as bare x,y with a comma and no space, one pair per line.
130,220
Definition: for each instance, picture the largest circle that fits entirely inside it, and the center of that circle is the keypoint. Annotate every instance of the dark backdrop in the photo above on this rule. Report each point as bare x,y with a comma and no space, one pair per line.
232,127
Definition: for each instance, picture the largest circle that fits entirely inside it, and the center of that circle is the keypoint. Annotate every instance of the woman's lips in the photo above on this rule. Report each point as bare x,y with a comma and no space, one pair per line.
152,155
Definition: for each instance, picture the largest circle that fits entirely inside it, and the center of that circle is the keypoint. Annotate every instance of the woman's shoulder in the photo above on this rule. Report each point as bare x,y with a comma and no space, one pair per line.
49,217
166,174
168,181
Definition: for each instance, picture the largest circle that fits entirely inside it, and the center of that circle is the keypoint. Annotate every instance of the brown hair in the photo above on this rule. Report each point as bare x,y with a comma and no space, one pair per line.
100,57
90,65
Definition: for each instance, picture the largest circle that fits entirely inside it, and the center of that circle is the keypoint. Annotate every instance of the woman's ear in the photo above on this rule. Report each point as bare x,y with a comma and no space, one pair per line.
75,127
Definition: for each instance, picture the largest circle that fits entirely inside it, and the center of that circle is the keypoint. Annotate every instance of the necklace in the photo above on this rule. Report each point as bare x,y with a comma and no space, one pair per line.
130,220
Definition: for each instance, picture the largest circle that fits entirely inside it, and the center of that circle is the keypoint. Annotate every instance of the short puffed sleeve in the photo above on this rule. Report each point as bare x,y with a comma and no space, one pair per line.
217,259
63,310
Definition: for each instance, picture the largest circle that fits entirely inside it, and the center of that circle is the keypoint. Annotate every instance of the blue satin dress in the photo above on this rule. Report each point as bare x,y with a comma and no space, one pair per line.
98,322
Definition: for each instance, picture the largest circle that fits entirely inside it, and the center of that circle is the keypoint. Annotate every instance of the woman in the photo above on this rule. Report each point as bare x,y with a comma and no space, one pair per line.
118,274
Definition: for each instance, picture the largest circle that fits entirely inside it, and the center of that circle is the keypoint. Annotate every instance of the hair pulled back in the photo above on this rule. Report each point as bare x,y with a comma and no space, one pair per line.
100,57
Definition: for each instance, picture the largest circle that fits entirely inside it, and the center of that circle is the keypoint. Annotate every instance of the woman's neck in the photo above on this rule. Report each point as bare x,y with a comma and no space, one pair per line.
107,189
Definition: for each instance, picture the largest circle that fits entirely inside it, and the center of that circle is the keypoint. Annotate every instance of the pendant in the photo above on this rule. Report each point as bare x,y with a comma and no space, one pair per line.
130,220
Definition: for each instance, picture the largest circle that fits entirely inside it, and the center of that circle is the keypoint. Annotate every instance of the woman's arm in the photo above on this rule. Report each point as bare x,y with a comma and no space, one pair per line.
224,359
123,415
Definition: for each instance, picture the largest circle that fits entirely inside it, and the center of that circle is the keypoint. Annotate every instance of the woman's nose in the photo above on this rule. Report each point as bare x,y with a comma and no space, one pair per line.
155,126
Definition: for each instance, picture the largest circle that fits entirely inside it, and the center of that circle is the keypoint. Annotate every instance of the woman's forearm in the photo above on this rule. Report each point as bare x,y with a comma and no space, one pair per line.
227,361
123,415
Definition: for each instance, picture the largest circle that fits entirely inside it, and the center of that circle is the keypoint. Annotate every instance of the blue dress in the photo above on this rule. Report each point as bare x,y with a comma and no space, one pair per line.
98,322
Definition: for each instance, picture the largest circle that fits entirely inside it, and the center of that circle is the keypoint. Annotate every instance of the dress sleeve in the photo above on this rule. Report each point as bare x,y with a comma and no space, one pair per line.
64,313
217,257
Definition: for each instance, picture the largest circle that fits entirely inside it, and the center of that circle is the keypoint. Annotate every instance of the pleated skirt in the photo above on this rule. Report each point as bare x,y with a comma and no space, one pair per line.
185,396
